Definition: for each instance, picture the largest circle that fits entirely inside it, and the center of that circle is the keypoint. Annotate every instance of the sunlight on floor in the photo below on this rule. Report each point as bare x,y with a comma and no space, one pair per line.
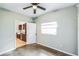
20,43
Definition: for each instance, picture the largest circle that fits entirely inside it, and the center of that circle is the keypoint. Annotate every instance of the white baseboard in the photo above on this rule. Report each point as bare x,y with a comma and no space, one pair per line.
59,50
6,51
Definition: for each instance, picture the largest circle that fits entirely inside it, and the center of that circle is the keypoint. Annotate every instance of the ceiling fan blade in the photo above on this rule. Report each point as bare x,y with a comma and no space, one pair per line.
34,11
34,3
27,7
41,8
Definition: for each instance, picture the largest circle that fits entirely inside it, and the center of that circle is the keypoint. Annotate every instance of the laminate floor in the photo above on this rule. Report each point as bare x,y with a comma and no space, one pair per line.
20,43
29,50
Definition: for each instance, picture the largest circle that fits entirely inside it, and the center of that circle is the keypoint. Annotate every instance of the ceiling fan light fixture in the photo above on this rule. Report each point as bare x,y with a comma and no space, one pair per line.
34,7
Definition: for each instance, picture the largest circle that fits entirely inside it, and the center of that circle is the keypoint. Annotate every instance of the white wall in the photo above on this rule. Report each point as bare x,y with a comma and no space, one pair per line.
78,27
8,21
66,38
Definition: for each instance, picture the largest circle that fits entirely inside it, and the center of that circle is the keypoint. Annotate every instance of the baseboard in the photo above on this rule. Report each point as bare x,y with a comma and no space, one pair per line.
30,43
58,50
6,51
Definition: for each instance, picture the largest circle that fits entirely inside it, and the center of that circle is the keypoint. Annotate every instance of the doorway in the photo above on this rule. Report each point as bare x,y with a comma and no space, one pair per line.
21,34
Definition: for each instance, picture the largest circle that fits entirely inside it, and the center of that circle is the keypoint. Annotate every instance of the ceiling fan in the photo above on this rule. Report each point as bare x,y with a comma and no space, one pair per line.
34,6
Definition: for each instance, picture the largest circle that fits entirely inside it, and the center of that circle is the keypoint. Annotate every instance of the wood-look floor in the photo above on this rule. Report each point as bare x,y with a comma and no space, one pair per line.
19,43
33,50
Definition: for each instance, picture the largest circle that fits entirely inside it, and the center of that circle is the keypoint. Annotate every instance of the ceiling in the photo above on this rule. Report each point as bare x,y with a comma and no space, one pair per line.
17,7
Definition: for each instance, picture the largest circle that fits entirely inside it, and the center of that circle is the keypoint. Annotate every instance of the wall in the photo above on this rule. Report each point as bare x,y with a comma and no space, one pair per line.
66,38
78,27
8,21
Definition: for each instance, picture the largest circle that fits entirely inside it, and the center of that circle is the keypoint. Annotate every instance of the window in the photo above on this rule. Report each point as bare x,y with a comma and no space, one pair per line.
49,28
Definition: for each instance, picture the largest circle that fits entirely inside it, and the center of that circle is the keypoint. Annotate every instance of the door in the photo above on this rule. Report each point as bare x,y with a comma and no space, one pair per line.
31,33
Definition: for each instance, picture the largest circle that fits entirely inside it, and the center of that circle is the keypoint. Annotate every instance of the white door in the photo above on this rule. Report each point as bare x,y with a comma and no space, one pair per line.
31,33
